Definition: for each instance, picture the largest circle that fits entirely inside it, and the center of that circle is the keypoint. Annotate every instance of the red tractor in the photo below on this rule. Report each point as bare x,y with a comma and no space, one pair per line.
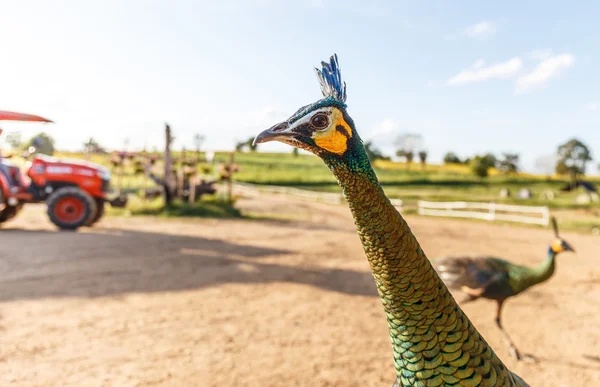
74,190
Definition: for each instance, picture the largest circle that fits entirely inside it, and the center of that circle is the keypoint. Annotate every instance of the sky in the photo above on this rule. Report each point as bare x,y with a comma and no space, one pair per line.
468,76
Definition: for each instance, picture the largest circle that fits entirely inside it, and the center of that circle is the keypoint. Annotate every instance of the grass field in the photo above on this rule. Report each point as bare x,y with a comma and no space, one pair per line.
432,182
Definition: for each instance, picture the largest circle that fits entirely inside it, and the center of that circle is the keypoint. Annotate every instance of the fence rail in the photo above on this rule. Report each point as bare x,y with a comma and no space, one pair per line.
490,211
254,190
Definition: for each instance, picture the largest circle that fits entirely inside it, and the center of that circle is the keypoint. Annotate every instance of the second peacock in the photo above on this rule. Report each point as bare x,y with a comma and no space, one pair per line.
497,279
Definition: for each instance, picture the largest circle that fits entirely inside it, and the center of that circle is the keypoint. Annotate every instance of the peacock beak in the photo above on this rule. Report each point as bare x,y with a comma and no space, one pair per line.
568,247
279,132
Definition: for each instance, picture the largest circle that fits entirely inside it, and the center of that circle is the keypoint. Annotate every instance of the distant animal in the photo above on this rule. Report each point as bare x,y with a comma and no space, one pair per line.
433,341
497,279
589,187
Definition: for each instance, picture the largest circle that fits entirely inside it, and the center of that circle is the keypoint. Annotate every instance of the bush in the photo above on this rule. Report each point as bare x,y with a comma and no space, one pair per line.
480,165
451,158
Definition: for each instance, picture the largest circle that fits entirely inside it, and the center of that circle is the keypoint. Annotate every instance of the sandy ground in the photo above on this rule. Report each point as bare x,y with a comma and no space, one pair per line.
145,302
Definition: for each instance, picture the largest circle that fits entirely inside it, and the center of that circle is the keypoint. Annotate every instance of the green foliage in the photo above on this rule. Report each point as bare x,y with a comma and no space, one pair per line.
451,158
407,155
423,157
480,165
509,163
373,153
42,143
13,139
572,158
248,144
92,146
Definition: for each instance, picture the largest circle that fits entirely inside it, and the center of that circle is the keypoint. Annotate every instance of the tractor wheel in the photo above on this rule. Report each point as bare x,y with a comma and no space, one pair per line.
7,212
70,208
98,214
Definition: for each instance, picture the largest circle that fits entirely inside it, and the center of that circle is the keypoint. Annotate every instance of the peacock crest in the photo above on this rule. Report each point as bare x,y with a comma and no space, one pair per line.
330,79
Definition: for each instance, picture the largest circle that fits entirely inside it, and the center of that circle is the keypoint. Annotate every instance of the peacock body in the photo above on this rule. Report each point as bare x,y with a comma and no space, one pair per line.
433,341
498,279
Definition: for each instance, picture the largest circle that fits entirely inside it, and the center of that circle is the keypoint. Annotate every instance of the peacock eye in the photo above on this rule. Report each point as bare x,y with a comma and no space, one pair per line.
320,121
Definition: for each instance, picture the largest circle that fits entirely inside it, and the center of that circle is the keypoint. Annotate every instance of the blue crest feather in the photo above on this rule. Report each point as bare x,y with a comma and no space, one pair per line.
330,79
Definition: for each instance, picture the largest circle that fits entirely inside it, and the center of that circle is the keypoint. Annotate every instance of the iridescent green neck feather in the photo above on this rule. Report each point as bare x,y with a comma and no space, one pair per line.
434,343
525,277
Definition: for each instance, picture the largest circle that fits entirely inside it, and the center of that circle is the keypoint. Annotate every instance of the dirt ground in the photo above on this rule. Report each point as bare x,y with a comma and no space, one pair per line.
146,302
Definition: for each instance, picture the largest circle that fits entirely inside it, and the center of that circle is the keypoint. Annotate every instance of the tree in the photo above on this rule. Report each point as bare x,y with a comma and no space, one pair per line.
41,143
14,139
509,163
249,143
481,164
490,159
92,146
408,144
572,158
451,158
407,155
373,153
295,151
423,158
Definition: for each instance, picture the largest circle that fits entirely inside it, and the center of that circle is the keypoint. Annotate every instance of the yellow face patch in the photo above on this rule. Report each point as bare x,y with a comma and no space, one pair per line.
557,246
332,139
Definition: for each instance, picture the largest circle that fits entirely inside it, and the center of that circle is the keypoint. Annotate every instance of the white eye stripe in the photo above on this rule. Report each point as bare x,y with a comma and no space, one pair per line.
308,118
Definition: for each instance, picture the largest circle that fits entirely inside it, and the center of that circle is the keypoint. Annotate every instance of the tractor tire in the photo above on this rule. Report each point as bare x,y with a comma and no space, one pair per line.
7,212
70,208
98,214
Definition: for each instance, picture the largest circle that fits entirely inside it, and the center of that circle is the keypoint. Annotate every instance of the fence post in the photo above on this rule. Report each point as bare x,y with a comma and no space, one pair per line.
492,211
546,216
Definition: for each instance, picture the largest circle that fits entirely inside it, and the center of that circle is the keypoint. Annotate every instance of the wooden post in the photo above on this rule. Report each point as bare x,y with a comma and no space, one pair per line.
169,178
230,182
193,182
121,163
145,180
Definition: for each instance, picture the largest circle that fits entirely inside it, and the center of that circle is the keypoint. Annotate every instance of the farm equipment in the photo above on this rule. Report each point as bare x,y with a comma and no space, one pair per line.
75,191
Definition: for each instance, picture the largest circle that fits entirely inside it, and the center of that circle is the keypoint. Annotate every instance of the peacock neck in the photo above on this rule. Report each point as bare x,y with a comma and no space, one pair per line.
430,334
545,269
433,340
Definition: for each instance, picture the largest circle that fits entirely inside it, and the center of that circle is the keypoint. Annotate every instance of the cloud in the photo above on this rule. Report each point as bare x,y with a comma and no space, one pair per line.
386,126
541,54
481,31
479,63
592,106
478,72
547,69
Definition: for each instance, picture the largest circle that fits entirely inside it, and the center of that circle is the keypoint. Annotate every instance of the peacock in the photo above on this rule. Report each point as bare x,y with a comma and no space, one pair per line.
434,343
497,279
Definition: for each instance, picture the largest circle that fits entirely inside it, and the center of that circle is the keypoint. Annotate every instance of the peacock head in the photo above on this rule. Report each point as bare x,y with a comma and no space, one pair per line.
323,127
559,245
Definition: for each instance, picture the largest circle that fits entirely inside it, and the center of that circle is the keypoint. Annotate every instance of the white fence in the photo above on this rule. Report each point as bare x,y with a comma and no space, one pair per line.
254,190
487,211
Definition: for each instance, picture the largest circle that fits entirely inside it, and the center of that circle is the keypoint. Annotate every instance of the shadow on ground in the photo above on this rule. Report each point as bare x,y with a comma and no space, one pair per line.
46,264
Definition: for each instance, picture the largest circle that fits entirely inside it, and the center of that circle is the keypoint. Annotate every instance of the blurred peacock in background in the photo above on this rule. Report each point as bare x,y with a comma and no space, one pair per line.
434,343
497,279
